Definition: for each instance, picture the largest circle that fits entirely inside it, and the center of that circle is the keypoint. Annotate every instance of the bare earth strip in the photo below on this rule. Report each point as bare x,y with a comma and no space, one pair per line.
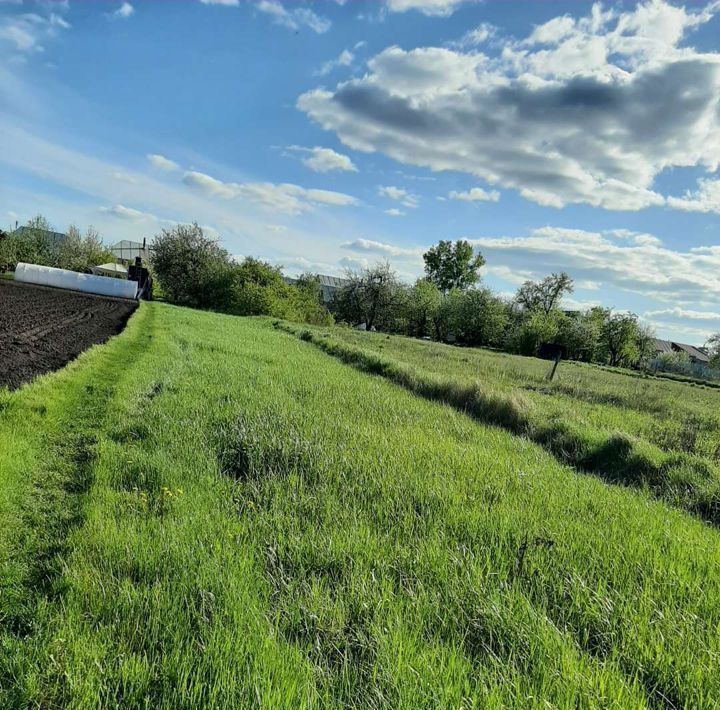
42,329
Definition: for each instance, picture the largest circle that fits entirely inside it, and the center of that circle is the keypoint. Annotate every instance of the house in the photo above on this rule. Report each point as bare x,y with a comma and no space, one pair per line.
669,347
329,285
126,251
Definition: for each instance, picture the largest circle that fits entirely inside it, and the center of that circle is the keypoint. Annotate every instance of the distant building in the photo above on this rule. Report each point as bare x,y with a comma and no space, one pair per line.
329,285
126,251
55,238
670,347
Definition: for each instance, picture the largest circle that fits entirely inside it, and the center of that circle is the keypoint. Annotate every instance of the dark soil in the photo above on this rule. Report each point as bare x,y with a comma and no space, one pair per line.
42,329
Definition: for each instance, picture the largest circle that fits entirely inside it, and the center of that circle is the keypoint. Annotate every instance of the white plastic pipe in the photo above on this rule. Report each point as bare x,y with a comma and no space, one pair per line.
72,280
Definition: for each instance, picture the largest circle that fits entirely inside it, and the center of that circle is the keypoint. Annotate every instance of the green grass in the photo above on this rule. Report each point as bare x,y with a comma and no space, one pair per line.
644,432
256,523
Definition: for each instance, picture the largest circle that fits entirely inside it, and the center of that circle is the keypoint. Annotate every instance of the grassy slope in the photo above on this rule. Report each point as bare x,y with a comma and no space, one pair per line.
265,524
645,432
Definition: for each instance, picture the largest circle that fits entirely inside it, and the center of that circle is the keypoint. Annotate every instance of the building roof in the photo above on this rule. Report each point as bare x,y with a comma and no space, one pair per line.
693,352
667,347
56,237
663,346
127,244
323,280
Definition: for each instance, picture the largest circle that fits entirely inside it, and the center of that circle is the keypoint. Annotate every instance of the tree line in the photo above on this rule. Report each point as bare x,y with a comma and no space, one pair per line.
35,244
448,304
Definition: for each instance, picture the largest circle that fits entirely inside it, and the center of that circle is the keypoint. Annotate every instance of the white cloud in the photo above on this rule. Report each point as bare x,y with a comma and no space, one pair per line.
373,247
130,213
124,11
226,3
474,38
476,194
433,8
324,160
685,314
161,162
344,59
285,197
296,18
575,113
399,195
645,267
25,34
705,199
395,212
353,263
209,185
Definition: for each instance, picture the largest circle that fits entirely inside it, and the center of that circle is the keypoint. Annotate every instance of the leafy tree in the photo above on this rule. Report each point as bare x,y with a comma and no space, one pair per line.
580,334
479,317
619,338
193,269
544,295
644,342
451,266
35,245
539,327
259,289
423,304
372,297
78,253
713,346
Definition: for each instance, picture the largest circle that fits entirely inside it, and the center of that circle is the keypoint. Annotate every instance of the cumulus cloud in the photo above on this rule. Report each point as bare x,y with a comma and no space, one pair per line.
226,3
124,11
476,194
285,197
433,8
395,212
296,18
399,195
161,162
644,267
705,199
577,112
324,160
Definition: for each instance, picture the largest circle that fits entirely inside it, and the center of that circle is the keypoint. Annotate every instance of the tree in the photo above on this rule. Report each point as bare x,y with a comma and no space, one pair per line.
451,266
193,269
544,295
480,317
371,296
619,337
78,253
259,289
423,303
713,346
580,334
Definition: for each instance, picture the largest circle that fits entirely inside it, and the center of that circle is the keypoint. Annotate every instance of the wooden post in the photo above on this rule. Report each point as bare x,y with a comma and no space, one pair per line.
551,374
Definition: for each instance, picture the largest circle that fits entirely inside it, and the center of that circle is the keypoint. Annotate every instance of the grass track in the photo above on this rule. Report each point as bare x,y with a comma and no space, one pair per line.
282,529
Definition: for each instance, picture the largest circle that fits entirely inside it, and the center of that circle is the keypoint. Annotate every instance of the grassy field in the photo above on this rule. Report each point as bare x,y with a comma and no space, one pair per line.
211,512
643,431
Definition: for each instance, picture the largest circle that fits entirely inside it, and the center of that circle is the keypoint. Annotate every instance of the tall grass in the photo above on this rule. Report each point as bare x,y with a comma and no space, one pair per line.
267,526
681,478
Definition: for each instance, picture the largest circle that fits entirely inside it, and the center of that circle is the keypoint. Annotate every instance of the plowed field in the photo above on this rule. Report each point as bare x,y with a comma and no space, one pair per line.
41,329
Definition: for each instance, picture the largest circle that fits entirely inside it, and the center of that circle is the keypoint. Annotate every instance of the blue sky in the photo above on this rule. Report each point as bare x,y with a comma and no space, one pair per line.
328,135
